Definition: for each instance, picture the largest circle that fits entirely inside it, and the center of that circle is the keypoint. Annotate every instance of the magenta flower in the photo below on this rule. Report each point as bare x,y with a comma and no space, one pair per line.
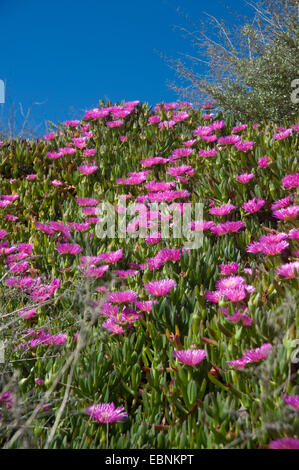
227,227
263,162
288,213
158,288
112,256
116,123
153,238
146,305
286,201
238,128
237,316
86,201
3,233
291,181
253,205
289,270
180,152
201,224
202,130
228,269
154,119
159,186
179,170
90,152
150,161
191,357
245,177
107,413
285,443
71,248
122,296
207,153
229,139
292,400
217,125
93,272
294,233
255,355
282,135
244,146
222,210
124,274
87,169
231,282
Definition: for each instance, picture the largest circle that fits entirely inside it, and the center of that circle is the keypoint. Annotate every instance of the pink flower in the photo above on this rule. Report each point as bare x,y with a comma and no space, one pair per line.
207,153
146,305
294,233
264,161
158,288
229,139
245,177
288,213
228,269
289,270
89,152
181,152
154,119
285,443
291,181
166,124
3,234
153,238
150,161
112,256
292,400
31,177
238,128
217,125
244,146
93,272
56,183
87,169
159,186
191,357
122,296
132,180
179,170
202,130
107,413
72,123
231,282
253,205
189,143
255,355
286,201
124,274
116,123
222,210
49,136
79,142
86,201
227,227
72,248
201,224
282,135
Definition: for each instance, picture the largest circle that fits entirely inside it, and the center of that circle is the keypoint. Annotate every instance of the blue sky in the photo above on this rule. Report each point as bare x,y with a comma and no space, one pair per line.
68,54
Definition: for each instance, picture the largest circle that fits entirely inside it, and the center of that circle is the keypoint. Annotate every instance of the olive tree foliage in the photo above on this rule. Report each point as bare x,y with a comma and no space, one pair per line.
249,69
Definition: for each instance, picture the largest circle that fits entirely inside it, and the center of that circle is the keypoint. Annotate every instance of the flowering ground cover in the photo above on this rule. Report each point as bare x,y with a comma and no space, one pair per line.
130,341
